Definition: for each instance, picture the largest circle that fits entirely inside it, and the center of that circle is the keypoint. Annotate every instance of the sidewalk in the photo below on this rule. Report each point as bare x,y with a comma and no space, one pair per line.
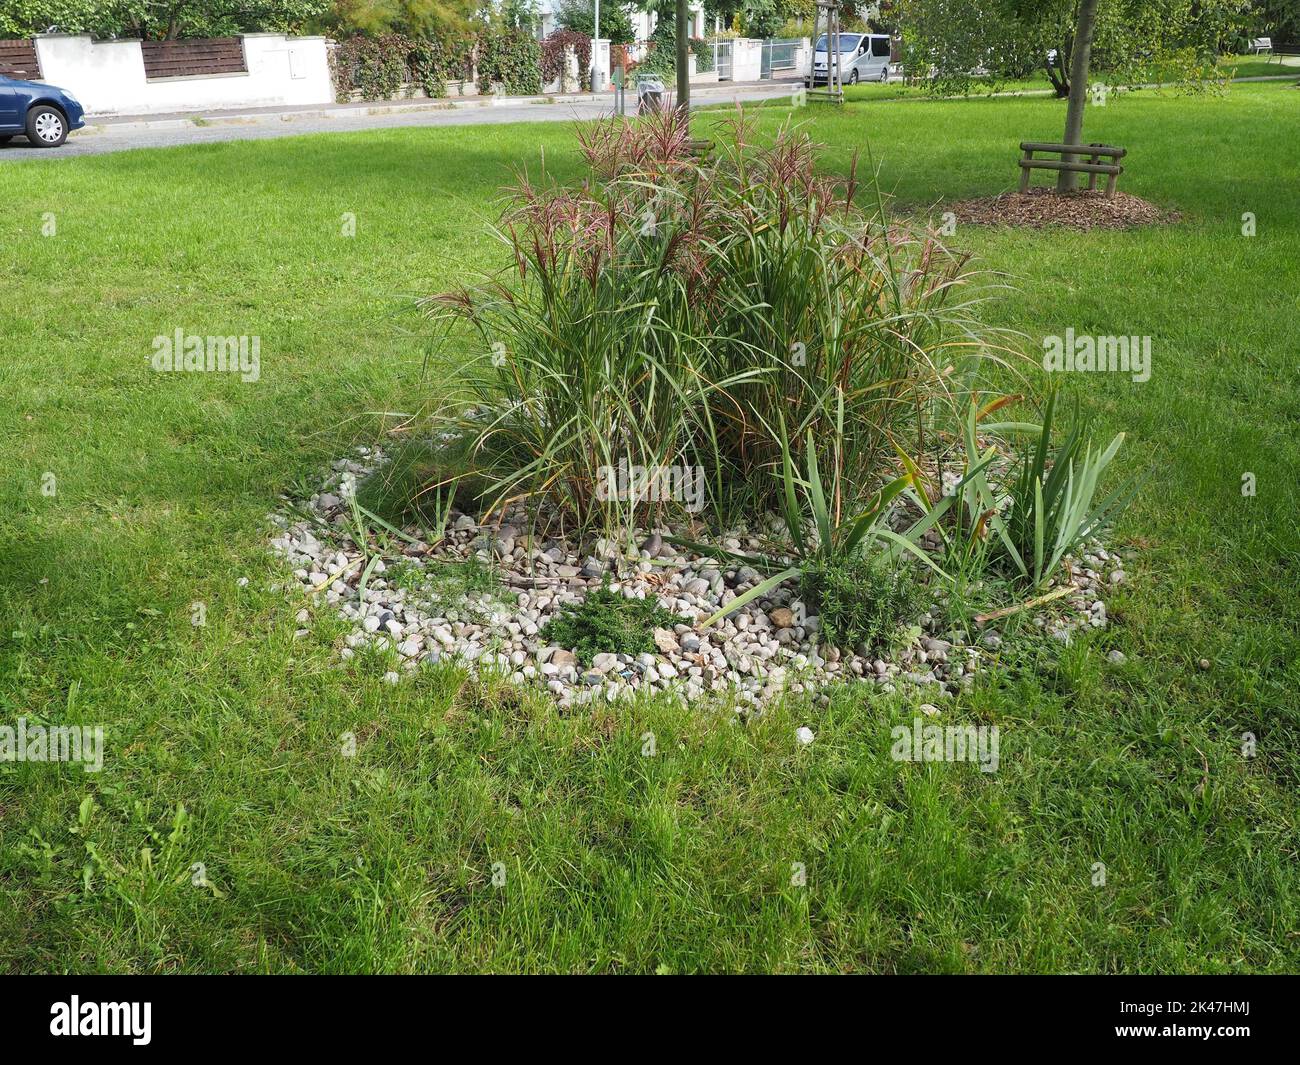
702,94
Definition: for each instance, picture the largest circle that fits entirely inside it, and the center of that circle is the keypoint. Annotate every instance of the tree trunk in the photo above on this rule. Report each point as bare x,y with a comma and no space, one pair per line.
1058,69
683,62
1079,58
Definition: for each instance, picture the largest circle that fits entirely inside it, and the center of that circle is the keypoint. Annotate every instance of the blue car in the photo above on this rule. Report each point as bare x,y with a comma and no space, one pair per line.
46,115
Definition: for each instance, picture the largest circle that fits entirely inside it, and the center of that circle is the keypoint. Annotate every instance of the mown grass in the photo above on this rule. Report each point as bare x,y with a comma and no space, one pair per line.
1229,66
615,860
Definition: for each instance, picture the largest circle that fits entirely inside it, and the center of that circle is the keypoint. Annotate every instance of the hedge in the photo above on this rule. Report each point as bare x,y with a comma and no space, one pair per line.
380,67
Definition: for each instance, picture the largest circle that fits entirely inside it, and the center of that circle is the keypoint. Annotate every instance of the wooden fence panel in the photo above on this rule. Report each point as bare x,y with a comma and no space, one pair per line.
18,59
191,58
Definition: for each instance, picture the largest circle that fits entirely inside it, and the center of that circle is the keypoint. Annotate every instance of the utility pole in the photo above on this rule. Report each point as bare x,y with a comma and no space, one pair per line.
683,67
595,48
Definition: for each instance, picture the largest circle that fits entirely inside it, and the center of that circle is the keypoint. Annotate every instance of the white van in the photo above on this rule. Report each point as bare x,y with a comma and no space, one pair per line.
863,57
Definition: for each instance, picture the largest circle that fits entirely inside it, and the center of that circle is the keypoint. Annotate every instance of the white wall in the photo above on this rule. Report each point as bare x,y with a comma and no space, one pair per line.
746,59
108,76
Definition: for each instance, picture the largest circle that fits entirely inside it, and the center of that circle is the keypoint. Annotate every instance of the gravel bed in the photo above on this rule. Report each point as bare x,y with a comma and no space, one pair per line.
768,647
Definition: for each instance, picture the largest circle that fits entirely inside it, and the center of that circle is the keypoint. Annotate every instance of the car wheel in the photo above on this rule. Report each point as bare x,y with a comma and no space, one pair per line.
46,126
853,77
884,76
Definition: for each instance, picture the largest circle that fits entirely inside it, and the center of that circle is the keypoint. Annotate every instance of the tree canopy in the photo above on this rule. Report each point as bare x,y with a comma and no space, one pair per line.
1013,38
615,19
158,19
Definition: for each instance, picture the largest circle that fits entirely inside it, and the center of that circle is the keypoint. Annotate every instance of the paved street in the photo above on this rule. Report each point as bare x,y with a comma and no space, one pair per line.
164,131
116,135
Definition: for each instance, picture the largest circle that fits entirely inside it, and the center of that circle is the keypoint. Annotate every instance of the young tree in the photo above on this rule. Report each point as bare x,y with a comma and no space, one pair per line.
22,18
1013,38
169,19
1068,180
615,19
415,18
1125,39
762,18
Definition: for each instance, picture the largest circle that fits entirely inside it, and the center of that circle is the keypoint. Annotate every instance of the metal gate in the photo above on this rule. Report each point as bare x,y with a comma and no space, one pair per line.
780,57
722,59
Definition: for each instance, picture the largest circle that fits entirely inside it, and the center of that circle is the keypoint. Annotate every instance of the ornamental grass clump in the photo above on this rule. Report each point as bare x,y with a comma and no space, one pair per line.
1022,521
672,310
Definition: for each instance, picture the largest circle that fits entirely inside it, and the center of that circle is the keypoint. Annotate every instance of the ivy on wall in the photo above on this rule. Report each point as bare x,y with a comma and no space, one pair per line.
703,50
553,49
510,58
383,66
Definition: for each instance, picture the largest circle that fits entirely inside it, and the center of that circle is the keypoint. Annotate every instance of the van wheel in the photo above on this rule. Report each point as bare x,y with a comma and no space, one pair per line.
46,126
884,76
853,77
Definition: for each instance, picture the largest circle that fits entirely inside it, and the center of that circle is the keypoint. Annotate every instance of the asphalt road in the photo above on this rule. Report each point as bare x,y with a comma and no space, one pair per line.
105,138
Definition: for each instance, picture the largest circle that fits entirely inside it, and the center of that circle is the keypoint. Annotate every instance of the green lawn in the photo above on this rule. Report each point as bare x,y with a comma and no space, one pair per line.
1233,66
1260,66
616,862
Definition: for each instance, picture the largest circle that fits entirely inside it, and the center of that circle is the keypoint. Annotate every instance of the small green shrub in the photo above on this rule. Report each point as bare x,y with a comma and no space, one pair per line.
608,623
860,600
444,581
435,61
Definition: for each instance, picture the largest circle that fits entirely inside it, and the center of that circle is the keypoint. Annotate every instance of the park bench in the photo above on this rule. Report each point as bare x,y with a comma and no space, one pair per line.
1093,152
1289,48
1260,45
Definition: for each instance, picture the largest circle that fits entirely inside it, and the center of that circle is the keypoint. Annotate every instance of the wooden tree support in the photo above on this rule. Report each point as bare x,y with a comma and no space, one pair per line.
1068,161
834,91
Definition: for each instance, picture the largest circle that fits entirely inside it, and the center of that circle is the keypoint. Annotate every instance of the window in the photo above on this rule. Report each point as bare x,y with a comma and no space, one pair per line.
880,46
848,42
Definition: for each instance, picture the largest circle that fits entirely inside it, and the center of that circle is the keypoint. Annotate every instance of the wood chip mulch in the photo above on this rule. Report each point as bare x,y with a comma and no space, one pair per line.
1077,210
